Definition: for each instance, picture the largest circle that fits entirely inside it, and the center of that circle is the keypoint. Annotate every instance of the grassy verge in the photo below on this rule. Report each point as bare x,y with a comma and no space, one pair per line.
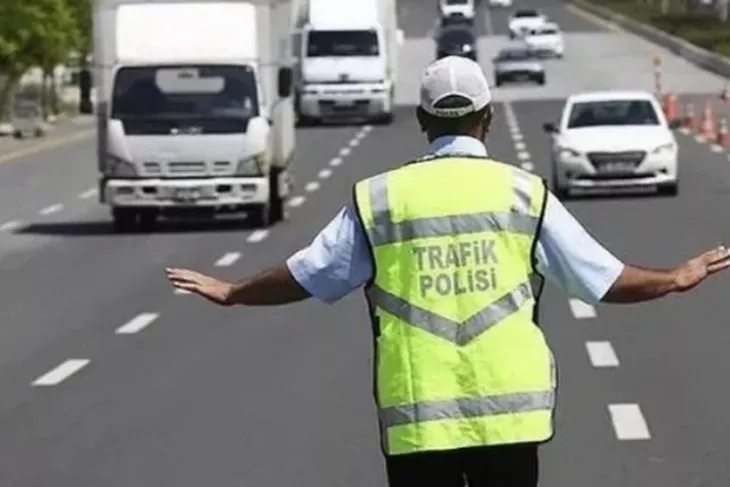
701,28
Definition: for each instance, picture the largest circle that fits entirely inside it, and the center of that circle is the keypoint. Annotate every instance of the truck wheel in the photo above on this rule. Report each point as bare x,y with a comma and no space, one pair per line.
124,219
276,201
147,220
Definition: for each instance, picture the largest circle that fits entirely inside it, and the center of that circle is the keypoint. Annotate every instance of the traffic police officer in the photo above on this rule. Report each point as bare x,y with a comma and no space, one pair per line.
451,249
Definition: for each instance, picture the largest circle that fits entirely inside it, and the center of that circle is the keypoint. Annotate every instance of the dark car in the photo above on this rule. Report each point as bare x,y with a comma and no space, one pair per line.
456,41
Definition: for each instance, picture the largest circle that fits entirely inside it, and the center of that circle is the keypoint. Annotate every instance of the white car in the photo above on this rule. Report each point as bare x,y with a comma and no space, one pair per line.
500,3
613,140
458,8
524,20
546,40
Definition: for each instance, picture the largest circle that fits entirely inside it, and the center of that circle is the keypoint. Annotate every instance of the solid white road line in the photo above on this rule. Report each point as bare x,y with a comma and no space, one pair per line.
89,193
336,161
602,354
51,209
61,373
257,236
227,259
297,201
137,324
11,225
325,173
582,310
311,187
628,422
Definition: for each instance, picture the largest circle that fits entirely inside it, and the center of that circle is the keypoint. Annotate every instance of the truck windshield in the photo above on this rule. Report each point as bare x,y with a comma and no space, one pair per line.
158,99
335,43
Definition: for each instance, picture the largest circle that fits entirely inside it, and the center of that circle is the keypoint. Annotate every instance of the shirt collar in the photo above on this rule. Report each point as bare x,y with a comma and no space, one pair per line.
454,145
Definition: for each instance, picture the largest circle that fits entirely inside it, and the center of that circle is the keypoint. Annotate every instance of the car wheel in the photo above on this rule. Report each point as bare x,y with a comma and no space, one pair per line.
560,192
277,210
498,81
669,189
541,80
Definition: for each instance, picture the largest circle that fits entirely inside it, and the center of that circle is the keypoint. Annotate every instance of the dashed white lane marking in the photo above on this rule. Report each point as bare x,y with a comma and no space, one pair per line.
699,139
311,187
628,422
228,259
716,148
182,291
297,201
528,166
89,193
684,130
345,151
8,226
602,354
137,324
354,142
336,161
324,173
258,236
61,372
520,146
367,129
361,135
582,310
517,136
48,210
523,156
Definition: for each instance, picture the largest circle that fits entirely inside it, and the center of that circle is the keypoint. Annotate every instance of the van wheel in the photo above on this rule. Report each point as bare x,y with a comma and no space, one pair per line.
124,220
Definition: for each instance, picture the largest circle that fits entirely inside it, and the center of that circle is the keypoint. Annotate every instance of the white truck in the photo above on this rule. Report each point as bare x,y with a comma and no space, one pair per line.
195,113
347,56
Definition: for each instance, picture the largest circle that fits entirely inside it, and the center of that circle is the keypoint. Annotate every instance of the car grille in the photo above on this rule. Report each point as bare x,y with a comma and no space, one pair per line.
628,158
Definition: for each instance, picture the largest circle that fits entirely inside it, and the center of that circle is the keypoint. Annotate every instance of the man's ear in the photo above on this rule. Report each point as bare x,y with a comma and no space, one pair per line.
488,118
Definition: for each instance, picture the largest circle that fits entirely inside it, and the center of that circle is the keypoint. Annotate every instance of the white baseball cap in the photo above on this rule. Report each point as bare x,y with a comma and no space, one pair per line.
454,86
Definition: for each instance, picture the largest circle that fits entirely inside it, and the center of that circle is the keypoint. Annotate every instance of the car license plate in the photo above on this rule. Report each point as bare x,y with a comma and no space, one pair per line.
186,194
616,167
345,103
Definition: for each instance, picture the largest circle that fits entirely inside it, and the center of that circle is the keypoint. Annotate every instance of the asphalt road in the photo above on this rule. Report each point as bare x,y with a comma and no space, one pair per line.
110,379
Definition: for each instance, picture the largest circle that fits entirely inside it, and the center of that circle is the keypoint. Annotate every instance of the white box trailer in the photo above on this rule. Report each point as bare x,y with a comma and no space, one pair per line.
347,59
195,112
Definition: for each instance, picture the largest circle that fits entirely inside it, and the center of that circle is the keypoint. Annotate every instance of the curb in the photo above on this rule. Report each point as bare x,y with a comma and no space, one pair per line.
702,58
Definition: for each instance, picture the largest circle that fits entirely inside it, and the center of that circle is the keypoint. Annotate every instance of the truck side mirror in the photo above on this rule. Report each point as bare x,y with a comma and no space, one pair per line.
400,37
284,82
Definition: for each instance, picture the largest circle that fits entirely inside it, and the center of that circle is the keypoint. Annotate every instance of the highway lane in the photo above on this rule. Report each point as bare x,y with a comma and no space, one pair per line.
281,397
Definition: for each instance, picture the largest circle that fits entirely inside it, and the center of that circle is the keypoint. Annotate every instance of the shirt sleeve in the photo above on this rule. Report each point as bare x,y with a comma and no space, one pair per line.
336,262
570,257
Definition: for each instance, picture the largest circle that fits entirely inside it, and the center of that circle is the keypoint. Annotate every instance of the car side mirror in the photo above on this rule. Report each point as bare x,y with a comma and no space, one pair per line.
284,82
550,128
675,124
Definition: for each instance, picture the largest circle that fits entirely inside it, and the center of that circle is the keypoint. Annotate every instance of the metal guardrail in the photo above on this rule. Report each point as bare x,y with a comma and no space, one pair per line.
701,57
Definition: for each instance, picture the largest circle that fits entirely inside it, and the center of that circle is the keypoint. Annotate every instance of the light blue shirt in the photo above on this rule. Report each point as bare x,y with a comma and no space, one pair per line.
338,260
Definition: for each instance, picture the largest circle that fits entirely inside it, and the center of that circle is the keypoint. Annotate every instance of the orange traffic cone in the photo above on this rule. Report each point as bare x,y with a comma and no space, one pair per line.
690,120
669,106
723,135
707,124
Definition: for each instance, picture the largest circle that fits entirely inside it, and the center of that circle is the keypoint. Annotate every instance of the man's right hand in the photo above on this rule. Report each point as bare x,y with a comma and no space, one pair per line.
694,271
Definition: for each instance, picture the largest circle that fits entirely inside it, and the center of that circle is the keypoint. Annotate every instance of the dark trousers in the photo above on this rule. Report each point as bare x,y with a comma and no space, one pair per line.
496,466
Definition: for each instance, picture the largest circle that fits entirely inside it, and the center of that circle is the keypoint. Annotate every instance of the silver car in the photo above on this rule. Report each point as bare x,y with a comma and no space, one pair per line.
27,120
514,64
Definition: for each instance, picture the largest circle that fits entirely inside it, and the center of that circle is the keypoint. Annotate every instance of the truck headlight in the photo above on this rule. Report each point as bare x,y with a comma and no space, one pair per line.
251,166
119,168
668,147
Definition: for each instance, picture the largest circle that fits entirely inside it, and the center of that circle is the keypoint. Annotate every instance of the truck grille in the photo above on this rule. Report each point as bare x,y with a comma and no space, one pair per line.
185,167
629,158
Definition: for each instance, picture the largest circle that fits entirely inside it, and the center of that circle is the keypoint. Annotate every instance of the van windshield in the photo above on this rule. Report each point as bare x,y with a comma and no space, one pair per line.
335,43
158,99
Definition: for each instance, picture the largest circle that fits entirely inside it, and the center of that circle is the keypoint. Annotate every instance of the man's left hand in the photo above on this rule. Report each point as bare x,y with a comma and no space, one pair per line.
208,287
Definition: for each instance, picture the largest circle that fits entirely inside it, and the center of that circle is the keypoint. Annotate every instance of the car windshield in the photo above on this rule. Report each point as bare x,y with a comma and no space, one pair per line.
453,37
335,43
216,99
457,2
547,31
612,112
526,13
515,55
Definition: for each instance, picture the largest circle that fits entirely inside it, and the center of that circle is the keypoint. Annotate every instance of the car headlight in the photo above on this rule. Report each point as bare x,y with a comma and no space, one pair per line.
668,147
566,152
119,168
466,48
251,166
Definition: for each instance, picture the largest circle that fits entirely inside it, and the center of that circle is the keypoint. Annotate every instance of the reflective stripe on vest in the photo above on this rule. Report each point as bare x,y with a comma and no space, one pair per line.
416,422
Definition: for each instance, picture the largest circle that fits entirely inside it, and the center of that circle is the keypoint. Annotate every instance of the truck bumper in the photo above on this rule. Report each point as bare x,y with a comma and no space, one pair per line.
185,193
345,106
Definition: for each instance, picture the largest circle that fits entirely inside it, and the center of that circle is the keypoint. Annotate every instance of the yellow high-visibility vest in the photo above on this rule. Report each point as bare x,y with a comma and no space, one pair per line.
460,360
